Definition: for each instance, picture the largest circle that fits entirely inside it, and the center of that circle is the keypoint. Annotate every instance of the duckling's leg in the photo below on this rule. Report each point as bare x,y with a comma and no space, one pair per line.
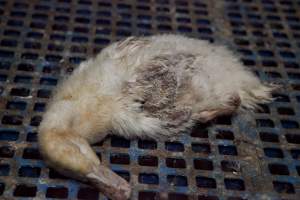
72,155
228,108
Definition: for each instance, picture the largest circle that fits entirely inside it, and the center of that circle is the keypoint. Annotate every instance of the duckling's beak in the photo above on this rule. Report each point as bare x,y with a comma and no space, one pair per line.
109,183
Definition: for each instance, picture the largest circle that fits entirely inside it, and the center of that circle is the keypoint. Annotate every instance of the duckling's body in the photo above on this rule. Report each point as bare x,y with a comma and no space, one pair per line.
145,87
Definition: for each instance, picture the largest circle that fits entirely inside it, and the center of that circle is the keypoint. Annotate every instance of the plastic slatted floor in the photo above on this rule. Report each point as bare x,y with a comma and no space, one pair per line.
245,157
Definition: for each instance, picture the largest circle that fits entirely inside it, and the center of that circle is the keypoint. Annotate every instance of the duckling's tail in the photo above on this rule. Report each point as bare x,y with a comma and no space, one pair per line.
72,155
251,98
247,99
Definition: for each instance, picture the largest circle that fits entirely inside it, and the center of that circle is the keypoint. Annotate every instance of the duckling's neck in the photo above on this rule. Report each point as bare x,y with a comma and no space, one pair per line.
87,117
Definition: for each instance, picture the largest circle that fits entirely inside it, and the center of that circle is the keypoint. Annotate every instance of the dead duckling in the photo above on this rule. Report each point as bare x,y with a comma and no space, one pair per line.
141,87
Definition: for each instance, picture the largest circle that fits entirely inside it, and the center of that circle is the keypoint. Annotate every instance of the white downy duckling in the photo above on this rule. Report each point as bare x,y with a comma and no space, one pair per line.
141,87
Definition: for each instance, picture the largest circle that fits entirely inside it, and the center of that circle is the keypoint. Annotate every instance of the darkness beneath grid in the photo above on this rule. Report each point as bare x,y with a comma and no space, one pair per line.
253,156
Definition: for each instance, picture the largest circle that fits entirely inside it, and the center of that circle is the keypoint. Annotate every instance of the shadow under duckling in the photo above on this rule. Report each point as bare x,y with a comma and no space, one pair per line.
151,87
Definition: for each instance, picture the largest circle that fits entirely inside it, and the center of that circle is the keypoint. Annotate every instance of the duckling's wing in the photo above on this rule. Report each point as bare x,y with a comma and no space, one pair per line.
157,86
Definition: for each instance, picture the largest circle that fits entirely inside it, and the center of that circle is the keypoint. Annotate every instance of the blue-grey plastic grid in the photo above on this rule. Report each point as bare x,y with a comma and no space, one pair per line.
253,156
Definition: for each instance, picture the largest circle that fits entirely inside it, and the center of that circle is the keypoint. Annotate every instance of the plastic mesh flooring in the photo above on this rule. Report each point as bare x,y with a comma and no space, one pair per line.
254,156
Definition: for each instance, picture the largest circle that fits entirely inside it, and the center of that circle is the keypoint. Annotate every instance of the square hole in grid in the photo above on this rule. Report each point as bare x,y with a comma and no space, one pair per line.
177,180
295,153
224,135
174,146
235,198
16,105
29,56
6,54
228,150
175,163
2,188
232,166
203,164
268,123
200,130
5,65
55,175
55,47
87,193
285,111
205,197
9,135
147,144
205,182
57,37
35,121
293,138
48,81
78,49
34,35
12,33
6,151
119,142
59,192
177,196
263,109
278,169
25,190
4,169
273,152
51,69
29,171
298,170
43,93
32,45
234,184
148,195
31,137
289,64
269,137
283,187
124,174
148,178
12,119
3,77
203,148
20,92
148,160
8,43
119,158
31,153
269,64
39,107
289,124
